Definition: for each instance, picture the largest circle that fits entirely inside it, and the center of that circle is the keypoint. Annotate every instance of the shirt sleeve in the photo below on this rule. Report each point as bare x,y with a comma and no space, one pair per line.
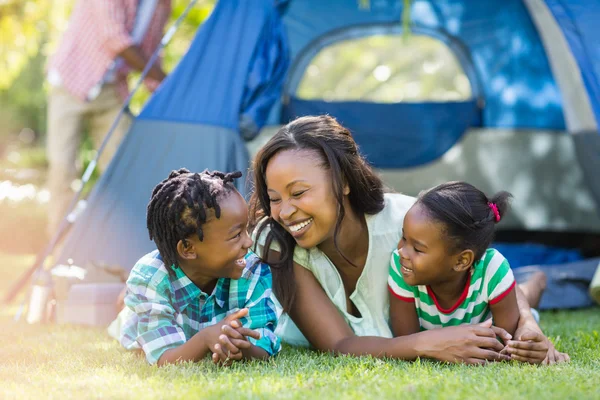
111,17
499,277
152,324
262,313
396,284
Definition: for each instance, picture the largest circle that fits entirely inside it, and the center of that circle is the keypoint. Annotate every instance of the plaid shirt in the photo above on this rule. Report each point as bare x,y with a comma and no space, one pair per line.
164,311
98,31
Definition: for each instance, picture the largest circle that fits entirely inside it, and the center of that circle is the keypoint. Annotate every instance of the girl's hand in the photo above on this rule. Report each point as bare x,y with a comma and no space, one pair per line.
530,346
469,344
554,356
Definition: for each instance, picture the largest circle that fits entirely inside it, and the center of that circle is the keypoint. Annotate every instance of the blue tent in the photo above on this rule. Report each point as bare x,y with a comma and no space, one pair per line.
530,126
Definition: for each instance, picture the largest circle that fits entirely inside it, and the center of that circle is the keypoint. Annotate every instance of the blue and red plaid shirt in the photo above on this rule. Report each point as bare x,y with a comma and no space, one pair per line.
163,311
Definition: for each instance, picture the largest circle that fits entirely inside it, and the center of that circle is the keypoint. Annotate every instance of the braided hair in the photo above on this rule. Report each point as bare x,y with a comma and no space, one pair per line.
468,215
179,207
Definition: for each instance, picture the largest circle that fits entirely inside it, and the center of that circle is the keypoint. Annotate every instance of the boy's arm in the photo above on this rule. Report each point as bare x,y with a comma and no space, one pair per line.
202,342
262,316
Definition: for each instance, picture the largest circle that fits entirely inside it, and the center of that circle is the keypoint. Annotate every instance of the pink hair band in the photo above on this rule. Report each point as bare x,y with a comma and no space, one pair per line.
494,208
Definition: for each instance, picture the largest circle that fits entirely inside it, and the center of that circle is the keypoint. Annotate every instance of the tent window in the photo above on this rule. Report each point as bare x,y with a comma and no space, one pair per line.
386,68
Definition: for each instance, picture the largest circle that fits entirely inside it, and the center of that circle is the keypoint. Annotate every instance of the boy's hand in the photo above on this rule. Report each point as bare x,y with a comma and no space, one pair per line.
232,342
226,338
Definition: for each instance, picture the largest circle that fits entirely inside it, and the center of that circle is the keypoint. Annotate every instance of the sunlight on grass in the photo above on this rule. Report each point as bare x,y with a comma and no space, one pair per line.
61,361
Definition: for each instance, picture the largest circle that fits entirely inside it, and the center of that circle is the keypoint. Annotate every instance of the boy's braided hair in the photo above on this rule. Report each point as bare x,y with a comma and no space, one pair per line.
179,204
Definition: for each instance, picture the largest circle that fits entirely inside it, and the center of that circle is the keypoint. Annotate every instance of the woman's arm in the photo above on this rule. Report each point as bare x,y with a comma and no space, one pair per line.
325,328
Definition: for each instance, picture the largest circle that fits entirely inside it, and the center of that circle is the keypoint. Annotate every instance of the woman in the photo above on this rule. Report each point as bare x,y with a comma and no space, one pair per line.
323,222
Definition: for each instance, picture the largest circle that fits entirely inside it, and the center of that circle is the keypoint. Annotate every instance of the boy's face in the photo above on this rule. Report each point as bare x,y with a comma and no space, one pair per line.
423,251
226,242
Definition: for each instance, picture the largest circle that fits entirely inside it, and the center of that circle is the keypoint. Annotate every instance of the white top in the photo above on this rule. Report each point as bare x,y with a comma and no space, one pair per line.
371,296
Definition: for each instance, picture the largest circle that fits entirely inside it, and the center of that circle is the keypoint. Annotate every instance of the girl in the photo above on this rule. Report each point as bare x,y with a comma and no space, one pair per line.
442,273
325,225
201,291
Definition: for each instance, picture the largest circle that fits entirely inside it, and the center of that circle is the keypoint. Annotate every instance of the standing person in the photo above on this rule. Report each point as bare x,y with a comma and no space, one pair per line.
88,78
326,227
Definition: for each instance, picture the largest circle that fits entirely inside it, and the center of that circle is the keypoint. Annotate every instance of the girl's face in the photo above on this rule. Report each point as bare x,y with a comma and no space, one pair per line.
424,253
221,252
301,196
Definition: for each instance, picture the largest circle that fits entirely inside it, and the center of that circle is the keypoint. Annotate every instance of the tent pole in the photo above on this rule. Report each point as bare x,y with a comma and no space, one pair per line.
66,222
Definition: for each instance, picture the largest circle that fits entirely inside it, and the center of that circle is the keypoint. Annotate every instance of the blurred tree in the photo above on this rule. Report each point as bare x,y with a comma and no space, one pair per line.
30,30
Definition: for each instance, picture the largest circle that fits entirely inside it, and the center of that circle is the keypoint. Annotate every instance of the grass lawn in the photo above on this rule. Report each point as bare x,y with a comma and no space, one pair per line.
75,362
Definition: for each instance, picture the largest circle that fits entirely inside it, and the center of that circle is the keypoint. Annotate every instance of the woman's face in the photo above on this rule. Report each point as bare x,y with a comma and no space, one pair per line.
301,195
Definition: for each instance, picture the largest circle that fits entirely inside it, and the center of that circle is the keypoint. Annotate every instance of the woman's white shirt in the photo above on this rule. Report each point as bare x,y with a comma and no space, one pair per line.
371,296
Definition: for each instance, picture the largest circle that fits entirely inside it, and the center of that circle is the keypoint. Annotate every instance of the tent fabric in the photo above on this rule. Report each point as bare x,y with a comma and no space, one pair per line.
524,254
577,109
392,135
505,47
112,229
579,23
232,72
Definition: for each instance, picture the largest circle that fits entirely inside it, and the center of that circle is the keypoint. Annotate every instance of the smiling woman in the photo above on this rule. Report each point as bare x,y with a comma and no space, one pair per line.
323,222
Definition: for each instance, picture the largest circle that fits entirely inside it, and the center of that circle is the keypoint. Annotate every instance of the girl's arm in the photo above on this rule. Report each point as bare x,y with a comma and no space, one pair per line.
328,331
505,311
403,316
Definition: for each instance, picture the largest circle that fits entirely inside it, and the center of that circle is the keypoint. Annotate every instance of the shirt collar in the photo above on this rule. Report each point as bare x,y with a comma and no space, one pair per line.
185,291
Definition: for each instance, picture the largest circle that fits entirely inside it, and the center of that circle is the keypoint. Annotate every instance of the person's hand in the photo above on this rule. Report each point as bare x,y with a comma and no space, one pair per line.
554,356
469,344
217,340
529,346
232,342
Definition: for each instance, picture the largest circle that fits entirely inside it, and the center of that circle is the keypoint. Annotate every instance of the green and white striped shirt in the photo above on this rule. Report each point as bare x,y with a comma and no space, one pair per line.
491,280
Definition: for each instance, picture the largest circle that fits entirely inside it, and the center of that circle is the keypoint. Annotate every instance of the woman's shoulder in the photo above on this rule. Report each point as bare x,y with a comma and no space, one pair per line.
398,200
395,208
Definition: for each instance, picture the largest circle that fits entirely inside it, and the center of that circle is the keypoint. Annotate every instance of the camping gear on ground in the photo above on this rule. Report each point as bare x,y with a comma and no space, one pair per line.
40,297
91,304
595,285
530,125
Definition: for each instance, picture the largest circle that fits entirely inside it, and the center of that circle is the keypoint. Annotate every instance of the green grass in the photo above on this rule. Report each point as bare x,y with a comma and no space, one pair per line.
73,362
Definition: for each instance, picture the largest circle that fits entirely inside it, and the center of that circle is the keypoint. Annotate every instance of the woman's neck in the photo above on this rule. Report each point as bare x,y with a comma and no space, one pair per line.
353,241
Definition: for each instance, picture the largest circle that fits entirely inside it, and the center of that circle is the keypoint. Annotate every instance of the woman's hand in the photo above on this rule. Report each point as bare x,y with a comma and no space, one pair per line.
469,344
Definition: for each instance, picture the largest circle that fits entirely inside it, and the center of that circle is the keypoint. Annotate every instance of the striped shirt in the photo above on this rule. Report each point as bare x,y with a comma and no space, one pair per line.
164,310
491,280
98,31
